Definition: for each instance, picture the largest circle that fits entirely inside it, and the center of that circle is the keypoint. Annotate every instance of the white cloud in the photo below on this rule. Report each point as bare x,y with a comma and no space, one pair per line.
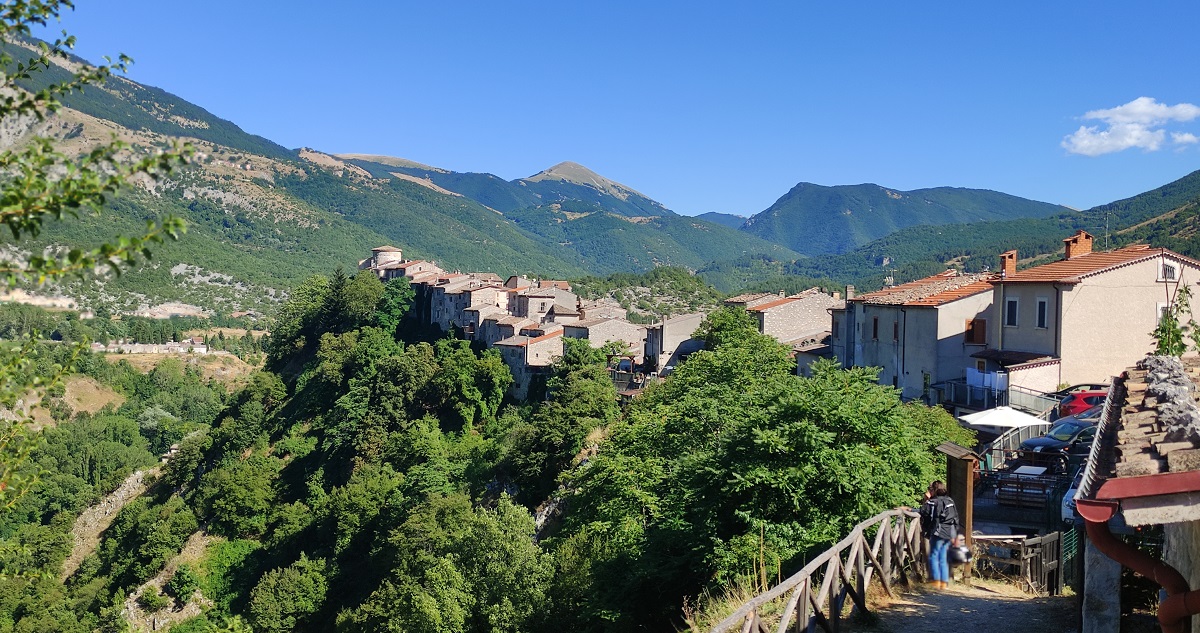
1138,123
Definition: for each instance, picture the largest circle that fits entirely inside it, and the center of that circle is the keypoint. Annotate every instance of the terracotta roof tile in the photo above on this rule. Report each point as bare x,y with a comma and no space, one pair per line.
521,340
953,294
771,304
1074,269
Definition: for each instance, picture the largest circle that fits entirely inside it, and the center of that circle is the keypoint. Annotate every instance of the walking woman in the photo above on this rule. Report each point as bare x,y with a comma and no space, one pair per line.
939,523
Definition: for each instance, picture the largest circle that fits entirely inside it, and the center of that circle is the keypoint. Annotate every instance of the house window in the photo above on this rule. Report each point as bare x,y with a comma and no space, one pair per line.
1043,312
981,365
1010,313
1168,272
1163,309
895,330
976,332
875,328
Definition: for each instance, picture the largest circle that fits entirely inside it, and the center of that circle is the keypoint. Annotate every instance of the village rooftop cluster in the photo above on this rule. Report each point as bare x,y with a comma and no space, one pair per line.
966,341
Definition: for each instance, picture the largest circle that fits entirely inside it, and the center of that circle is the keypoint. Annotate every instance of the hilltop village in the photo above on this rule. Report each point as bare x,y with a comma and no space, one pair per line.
966,341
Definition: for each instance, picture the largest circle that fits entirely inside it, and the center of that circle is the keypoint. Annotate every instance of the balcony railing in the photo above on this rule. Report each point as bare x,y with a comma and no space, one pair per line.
959,393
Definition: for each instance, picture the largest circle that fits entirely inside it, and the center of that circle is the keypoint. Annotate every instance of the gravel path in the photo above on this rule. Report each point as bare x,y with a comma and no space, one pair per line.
984,607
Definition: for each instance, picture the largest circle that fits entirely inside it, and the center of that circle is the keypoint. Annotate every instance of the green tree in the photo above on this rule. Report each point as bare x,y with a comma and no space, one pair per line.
394,305
725,325
285,598
459,569
238,497
41,183
297,321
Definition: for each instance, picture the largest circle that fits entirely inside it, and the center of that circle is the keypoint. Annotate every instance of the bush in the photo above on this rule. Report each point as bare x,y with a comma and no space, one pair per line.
153,601
184,583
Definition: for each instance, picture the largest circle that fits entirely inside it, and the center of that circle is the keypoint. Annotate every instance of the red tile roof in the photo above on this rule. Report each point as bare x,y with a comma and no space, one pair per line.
953,294
524,341
1072,271
771,304
934,290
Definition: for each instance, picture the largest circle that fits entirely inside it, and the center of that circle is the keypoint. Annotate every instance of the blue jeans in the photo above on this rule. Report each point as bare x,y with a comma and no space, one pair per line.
939,569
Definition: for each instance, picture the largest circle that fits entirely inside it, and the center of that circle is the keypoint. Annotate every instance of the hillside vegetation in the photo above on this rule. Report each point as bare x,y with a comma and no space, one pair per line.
1163,217
814,219
371,481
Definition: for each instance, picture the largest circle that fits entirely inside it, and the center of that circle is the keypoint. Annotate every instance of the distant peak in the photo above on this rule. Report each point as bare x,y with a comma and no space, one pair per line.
575,173
391,161
570,172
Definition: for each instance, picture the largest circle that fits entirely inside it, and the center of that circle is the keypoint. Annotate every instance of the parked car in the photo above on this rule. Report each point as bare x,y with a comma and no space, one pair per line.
1088,386
1068,436
1080,401
1091,415
1068,500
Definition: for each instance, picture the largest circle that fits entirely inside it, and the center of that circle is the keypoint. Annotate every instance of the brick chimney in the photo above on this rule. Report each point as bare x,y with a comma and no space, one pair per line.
849,292
1078,244
1008,263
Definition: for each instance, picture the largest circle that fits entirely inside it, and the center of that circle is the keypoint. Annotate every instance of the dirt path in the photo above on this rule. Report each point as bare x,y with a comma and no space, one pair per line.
88,527
984,607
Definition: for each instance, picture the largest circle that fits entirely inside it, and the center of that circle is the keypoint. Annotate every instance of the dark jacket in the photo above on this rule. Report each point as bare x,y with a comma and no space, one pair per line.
939,518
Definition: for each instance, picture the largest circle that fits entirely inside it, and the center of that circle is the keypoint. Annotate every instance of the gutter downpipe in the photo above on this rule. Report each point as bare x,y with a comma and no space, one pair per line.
1181,603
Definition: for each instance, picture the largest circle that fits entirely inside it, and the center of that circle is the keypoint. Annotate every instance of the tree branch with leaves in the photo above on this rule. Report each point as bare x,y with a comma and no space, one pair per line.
40,183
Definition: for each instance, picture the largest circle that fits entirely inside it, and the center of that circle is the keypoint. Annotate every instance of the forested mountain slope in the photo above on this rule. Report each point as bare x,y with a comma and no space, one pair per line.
1164,217
263,217
814,219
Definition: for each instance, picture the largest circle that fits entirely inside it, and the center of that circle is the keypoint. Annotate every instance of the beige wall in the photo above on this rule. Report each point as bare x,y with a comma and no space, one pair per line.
885,351
668,341
615,330
1108,319
1036,376
954,353
1026,336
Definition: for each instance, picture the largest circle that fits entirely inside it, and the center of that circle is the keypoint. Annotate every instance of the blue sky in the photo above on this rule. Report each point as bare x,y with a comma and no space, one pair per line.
703,106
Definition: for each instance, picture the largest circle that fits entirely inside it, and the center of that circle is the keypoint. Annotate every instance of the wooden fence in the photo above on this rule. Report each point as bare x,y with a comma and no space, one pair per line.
885,547
1036,562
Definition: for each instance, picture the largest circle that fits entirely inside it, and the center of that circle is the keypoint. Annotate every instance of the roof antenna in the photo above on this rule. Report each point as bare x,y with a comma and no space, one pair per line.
1106,214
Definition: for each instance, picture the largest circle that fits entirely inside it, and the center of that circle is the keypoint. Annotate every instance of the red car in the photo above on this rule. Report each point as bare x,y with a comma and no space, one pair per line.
1080,401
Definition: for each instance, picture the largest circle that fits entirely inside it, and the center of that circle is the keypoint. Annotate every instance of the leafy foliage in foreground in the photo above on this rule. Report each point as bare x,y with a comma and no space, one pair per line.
373,479
735,467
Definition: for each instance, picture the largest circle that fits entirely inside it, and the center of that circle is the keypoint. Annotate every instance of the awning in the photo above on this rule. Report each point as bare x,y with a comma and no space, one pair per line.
1008,357
1001,417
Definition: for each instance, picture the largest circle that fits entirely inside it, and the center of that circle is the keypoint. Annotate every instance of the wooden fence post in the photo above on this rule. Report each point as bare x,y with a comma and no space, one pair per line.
860,572
885,554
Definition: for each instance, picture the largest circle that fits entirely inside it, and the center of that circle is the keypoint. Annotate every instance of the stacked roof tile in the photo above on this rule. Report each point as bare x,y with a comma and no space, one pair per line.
934,290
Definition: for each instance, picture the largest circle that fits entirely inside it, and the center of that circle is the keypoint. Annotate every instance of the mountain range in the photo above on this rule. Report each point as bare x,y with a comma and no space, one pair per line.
263,217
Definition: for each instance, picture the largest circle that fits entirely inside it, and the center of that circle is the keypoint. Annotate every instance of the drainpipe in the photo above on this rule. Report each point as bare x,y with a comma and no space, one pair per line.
903,339
1181,603
1003,315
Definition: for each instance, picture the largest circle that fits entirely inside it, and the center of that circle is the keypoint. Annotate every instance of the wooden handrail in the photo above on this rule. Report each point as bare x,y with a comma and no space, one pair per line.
896,545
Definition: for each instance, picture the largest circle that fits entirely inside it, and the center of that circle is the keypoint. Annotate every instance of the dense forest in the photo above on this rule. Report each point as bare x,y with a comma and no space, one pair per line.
374,477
